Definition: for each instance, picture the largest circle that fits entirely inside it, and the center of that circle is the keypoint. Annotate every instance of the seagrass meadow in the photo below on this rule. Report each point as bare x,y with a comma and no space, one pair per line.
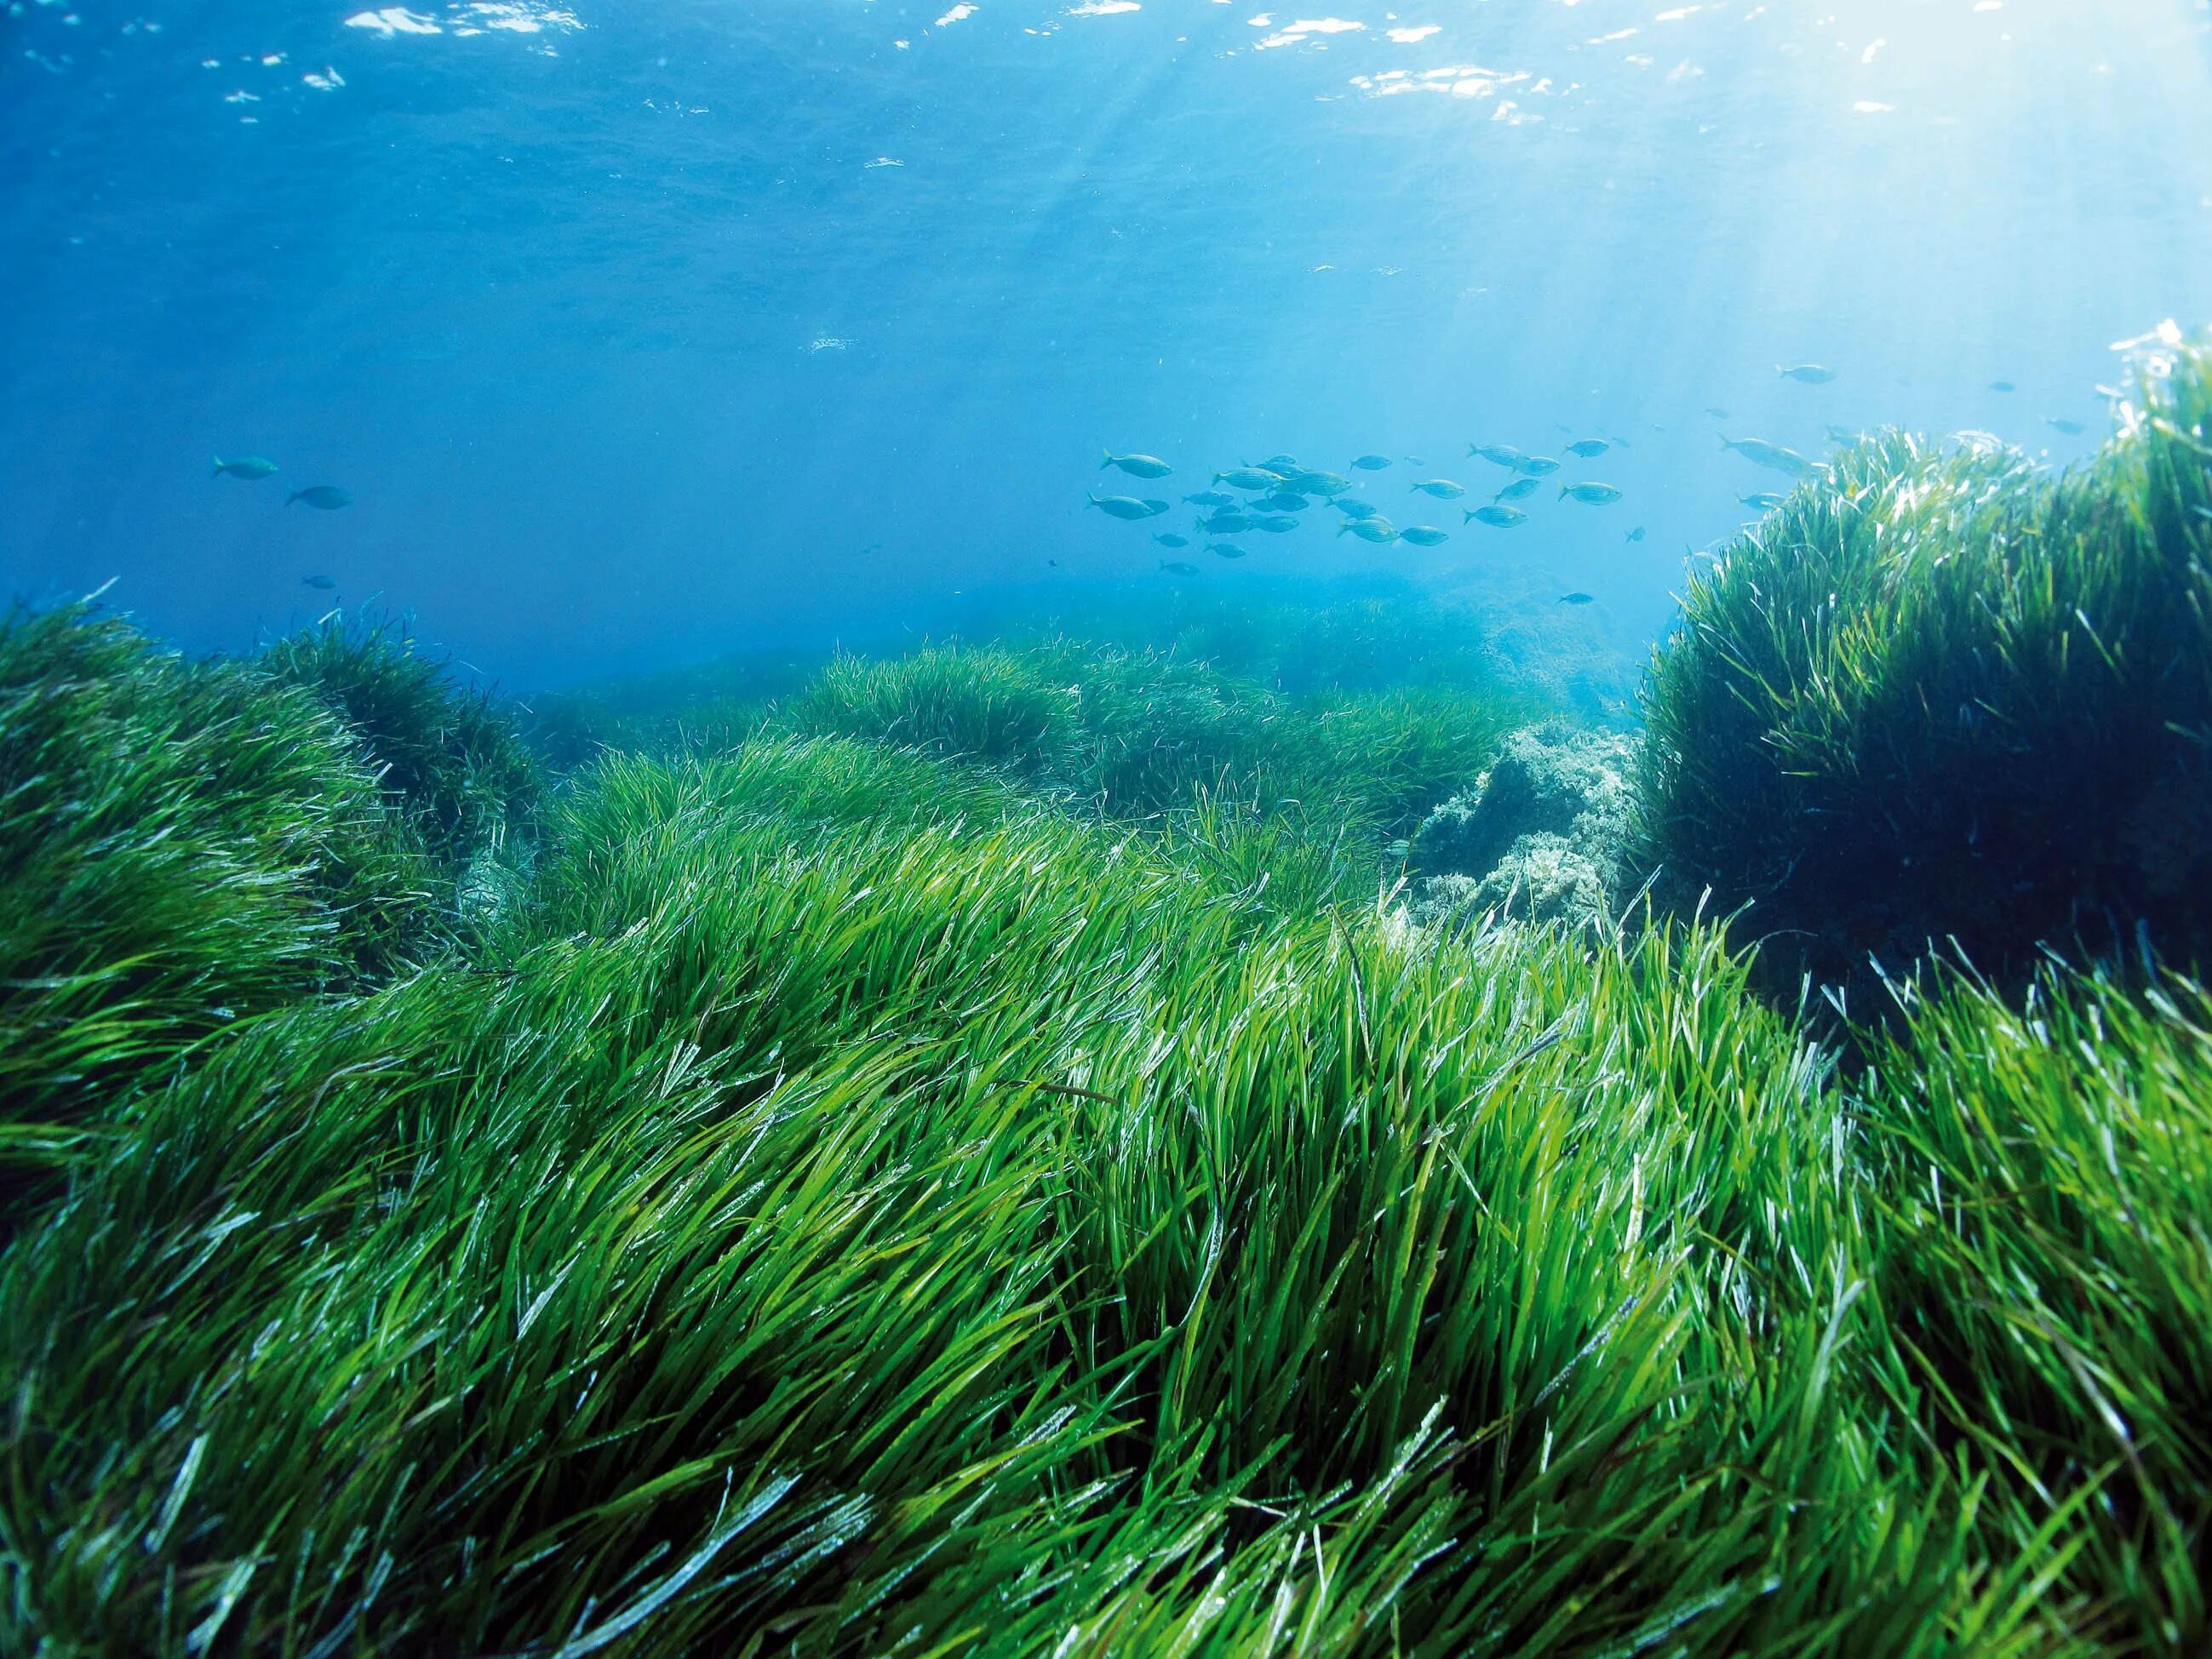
970,1151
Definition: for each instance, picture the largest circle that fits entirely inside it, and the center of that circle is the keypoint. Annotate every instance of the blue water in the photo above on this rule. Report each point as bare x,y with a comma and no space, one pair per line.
644,331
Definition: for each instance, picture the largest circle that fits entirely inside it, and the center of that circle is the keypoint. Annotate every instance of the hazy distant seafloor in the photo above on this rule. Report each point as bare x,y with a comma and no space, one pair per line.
1262,1124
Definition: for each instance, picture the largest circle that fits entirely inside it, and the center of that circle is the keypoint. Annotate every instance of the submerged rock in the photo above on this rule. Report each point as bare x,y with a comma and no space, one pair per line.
1541,837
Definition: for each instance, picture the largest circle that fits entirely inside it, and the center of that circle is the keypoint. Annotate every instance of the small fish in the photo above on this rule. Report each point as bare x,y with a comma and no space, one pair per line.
1810,373
1179,567
1519,490
1537,465
1589,448
1371,463
1841,435
1717,414
1126,507
2002,385
1283,501
2059,423
1226,524
1356,509
1497,454
1764,499
1137,466
324,583
1226,551
1212,498
329,497
1423,535
1169,539
1248,477
1275,524
1771,456
1499,518
1442,489
1377,530
1590,495
1576,599
1319,484
1285,465
1637,534
248,467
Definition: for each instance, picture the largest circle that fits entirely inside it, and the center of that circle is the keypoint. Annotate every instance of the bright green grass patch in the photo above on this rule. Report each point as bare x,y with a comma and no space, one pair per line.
181,846
959,1232
857,1205
2045,1257
1937,697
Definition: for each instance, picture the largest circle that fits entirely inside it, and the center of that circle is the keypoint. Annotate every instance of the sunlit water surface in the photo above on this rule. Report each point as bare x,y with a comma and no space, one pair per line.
643,331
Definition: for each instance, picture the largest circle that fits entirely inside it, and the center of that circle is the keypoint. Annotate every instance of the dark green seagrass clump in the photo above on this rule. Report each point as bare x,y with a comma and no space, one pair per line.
1936,695
453,758
182,845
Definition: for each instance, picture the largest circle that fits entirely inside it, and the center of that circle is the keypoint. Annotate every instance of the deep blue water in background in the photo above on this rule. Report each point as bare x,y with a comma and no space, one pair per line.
643,331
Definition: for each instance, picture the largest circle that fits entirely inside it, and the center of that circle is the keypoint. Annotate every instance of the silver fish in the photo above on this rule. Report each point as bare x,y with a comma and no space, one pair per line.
248,467
1283,501
1773,457
1371,463
1499,518
1537,465
1169,539
1128,507
1423,535
1589,448
1442,489
1810,373
1226,551
1377,530
1248,477
1179,567
1356,509
1137,466
1590,495
1319,484
1275,524
1497,454
1520,489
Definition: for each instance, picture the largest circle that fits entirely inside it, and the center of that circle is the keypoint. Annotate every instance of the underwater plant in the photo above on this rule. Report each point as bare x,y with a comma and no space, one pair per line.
182,845
857,1198
453,758
1937,697
2042,1172
960,1224
1133,733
